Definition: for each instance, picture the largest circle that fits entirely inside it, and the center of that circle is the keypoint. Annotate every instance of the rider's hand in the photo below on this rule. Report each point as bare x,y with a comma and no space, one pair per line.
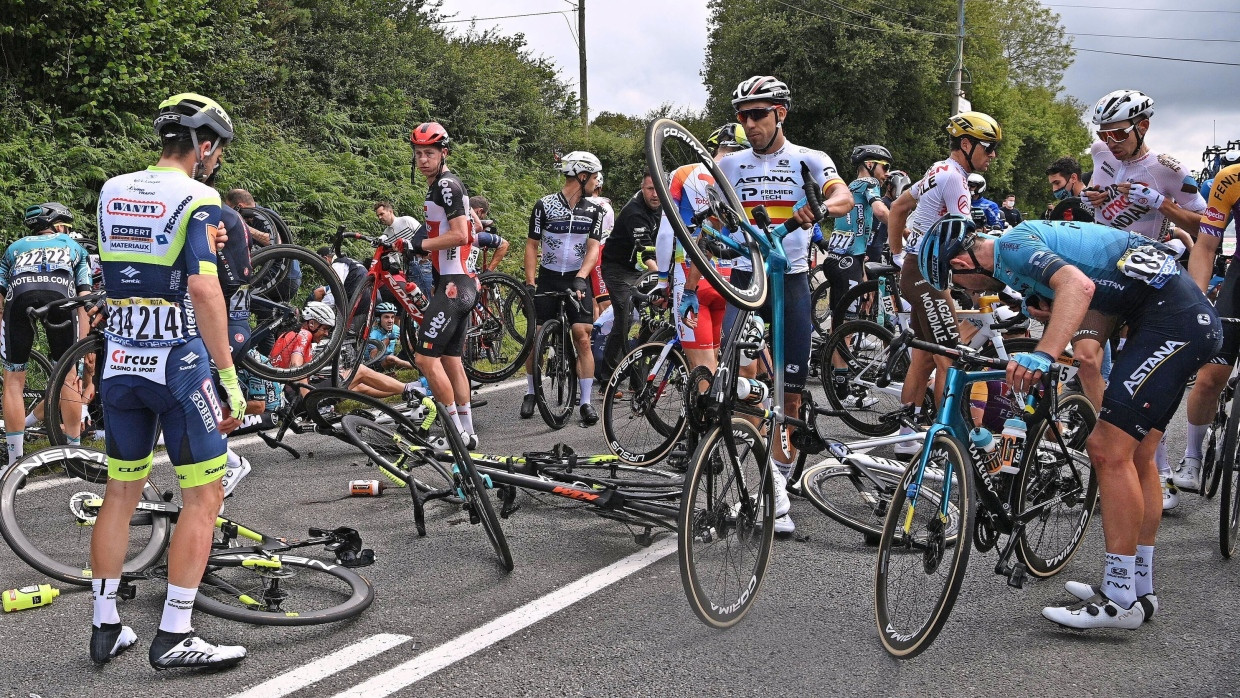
689,308
232,388
1095,197
804,216
1141,195
581,286
221,236
1024,370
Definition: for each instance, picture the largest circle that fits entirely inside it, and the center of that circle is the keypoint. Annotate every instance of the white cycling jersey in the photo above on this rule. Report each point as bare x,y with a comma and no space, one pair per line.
943,189
609,215
1159,172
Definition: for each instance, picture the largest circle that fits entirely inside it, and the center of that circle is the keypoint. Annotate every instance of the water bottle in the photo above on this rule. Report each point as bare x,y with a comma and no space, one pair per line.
426,387
419,298
366,488
29,597
1013,439
751,391
984,443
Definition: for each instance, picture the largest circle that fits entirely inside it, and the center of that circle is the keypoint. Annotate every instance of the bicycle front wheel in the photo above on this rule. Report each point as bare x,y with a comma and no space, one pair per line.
474,491
357,331
924,549
851,362
501,329
262,589
643,409
726,523
555,373
397,453
1229,502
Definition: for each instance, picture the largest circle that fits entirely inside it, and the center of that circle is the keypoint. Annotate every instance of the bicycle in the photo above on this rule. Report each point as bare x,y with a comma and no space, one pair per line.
1220,460
47,508
927,548
555,363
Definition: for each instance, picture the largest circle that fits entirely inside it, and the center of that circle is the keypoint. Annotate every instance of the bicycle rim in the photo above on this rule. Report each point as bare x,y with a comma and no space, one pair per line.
301,591
501,330
555,374
326,407
353,350
66,400
477,501
399,458
862,347
846,495
1229,504
643,414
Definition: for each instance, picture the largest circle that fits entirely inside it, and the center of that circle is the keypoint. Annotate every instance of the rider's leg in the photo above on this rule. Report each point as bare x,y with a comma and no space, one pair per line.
15,413
585,361
1123,505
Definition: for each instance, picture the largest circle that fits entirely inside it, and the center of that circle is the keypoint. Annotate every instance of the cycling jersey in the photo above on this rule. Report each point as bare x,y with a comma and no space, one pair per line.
944,189
563,232
773,180
392,337
852,233
446,199
234,266
609,215
688,191
290,344
1224,203
995,219
45,263
1159,172
259,388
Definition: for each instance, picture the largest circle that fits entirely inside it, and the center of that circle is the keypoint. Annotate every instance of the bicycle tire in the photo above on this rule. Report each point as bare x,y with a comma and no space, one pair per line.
395,458
1229,503
270,269
864,297
670,146
38,374
849,497
632,401
326,408
863,346
473,491
1046,474
227,577
907,639
89,349
504,310
352,350
555,373
705,511
39,526
1212,451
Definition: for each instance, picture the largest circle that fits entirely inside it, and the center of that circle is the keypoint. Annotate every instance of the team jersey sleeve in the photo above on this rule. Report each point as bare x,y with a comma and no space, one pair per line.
490,241
449,194
872,192
202,226
596,226
82,277
6,265
1224,195
538,220
1178,183
1028,261
827,172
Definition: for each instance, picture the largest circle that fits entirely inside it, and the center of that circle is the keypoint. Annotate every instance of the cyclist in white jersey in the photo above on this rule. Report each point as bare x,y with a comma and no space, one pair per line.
769,174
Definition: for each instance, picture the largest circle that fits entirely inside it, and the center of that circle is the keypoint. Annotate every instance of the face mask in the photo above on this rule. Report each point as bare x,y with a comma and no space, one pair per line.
1061,194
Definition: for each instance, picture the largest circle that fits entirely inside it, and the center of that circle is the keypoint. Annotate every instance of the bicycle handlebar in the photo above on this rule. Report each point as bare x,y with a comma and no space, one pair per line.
69,304
958,353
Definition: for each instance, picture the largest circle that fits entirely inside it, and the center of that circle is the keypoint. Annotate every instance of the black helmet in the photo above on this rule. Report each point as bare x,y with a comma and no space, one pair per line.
43,216
863,153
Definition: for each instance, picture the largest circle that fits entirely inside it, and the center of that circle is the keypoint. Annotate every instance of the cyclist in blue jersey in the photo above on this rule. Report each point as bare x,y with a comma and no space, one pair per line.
846,247
44,266
159,232
1173,331
993,214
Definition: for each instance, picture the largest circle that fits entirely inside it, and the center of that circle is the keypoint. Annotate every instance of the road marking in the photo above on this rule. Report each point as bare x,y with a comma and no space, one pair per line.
453,651
500,386
298,678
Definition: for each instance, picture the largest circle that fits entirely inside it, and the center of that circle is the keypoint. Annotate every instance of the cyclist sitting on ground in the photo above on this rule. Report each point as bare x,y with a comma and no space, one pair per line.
567,227
387,334
1088,267
42,267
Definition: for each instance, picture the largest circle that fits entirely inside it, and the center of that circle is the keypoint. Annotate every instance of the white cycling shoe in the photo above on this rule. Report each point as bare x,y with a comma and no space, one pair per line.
1188,476
234,476
1085,592
1171,495
1096,612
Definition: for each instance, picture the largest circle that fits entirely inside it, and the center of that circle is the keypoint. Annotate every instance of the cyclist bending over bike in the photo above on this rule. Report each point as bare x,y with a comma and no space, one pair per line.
1085,267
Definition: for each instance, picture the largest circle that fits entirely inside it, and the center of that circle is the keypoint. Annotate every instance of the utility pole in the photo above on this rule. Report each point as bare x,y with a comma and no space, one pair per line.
581,58
957,90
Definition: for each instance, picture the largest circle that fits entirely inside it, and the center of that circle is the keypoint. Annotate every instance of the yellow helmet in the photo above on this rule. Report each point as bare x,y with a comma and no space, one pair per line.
975,124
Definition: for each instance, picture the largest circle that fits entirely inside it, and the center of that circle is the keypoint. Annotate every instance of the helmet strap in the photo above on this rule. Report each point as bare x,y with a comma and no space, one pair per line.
968,157
779,124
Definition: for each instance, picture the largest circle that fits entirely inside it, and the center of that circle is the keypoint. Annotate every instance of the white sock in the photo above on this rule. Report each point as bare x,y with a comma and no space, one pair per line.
31,420
232,460
785,469
73,440
1161,459
86,412
1144,570
1196,437
453,412
105,601
466,416
529,384
177,609
17,443
904,431
587,390
1117,579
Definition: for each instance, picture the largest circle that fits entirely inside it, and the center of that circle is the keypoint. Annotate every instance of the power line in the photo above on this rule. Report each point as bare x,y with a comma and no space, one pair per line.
1157,38
913,14
480,19
1138,9
1161,58
902,30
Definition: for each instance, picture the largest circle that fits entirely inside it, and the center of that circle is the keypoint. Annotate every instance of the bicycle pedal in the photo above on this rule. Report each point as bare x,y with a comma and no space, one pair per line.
1017,575
127,591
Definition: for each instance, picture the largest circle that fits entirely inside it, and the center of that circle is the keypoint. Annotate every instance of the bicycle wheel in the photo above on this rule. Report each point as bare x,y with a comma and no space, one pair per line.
862,347
47,512
669,147
501,329
476,502
1062,489
1212,452
643,407
726,524
820,304
922,555
398,453
326,407
249,588
555,373
284,279
357,331
67,394
1229,502
38,377
862,302
849,496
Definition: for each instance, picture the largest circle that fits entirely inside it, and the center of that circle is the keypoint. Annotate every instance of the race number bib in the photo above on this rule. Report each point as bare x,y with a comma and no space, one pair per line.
840,241
472,263
150,322
239,304
1149,264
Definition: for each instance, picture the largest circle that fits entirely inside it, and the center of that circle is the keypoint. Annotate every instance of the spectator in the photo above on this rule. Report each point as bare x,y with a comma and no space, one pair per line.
1066,185
1010,214
420,270
634,232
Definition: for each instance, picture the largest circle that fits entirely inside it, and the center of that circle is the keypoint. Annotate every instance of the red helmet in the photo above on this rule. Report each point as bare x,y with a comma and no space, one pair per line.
430,133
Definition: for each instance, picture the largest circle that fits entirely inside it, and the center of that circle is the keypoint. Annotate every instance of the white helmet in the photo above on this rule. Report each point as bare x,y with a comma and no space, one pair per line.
320,312
579,161
762,87
1122,105
977,183
1230,157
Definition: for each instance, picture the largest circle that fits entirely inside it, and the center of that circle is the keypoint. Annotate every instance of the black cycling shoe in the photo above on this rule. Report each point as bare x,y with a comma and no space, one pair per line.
109,640
188,651
589,417
527,406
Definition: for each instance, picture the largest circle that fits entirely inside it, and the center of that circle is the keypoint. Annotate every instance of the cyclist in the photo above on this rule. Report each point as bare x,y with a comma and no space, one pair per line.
598,287
263,225
1174,330
993,216
897,183
449,242
846,247
944,189
561,251
1066,186
158,234
387,334
44,266
769,173
486,235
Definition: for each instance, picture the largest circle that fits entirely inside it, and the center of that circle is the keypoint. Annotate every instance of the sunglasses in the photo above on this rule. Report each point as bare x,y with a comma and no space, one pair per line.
988,146
754,114
1115,135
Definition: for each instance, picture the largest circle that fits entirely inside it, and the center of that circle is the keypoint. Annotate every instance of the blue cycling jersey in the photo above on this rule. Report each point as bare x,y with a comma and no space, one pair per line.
853,232
45,263
994,216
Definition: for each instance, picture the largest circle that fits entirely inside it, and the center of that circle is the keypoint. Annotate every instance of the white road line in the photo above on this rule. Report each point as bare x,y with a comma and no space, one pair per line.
450,652
500,386
305,675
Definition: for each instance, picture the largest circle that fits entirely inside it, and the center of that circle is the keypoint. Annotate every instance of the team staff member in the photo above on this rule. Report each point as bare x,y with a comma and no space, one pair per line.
1066,183
625,259
1086,267
158,234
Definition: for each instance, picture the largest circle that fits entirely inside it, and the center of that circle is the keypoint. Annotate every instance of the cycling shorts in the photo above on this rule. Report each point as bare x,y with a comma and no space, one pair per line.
145,388
445,321
17,332
598,285
1172,335
843,272
798,324
548,307
1228,306
934,313
711,310
238,333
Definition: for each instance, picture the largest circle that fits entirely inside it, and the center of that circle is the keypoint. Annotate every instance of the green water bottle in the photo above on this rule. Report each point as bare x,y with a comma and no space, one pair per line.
29,597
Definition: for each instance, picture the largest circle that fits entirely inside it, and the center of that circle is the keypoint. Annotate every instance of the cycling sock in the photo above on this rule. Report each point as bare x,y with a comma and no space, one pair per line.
1117,579
905,431
177,609
31,420
1196,436
104,592
466,416
587,390
1161,459
785,469
232,460
16,441
529,384
454,413
73,440
1143,570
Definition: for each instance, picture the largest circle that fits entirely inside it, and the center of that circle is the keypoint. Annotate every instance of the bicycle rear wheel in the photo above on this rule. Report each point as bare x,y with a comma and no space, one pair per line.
643,408
922,555
726,523
847,495
398,453
357,331
326,407
67,392
670,147
555,373
501,329
1212,451
1229,502
246,587
862,347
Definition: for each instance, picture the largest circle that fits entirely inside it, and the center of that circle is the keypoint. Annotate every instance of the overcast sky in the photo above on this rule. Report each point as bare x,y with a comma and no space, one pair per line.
643,53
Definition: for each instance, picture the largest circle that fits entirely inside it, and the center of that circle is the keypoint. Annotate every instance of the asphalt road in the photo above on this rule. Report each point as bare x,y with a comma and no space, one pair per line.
443,622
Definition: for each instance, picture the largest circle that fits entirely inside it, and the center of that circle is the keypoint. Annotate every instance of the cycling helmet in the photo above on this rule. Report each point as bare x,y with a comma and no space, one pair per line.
430,133
385,307
320,312
1122,105
864,153
762,88
977,183
948,237
899,181
728,136
44,216
1228,158
976,125
187,113
579,161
